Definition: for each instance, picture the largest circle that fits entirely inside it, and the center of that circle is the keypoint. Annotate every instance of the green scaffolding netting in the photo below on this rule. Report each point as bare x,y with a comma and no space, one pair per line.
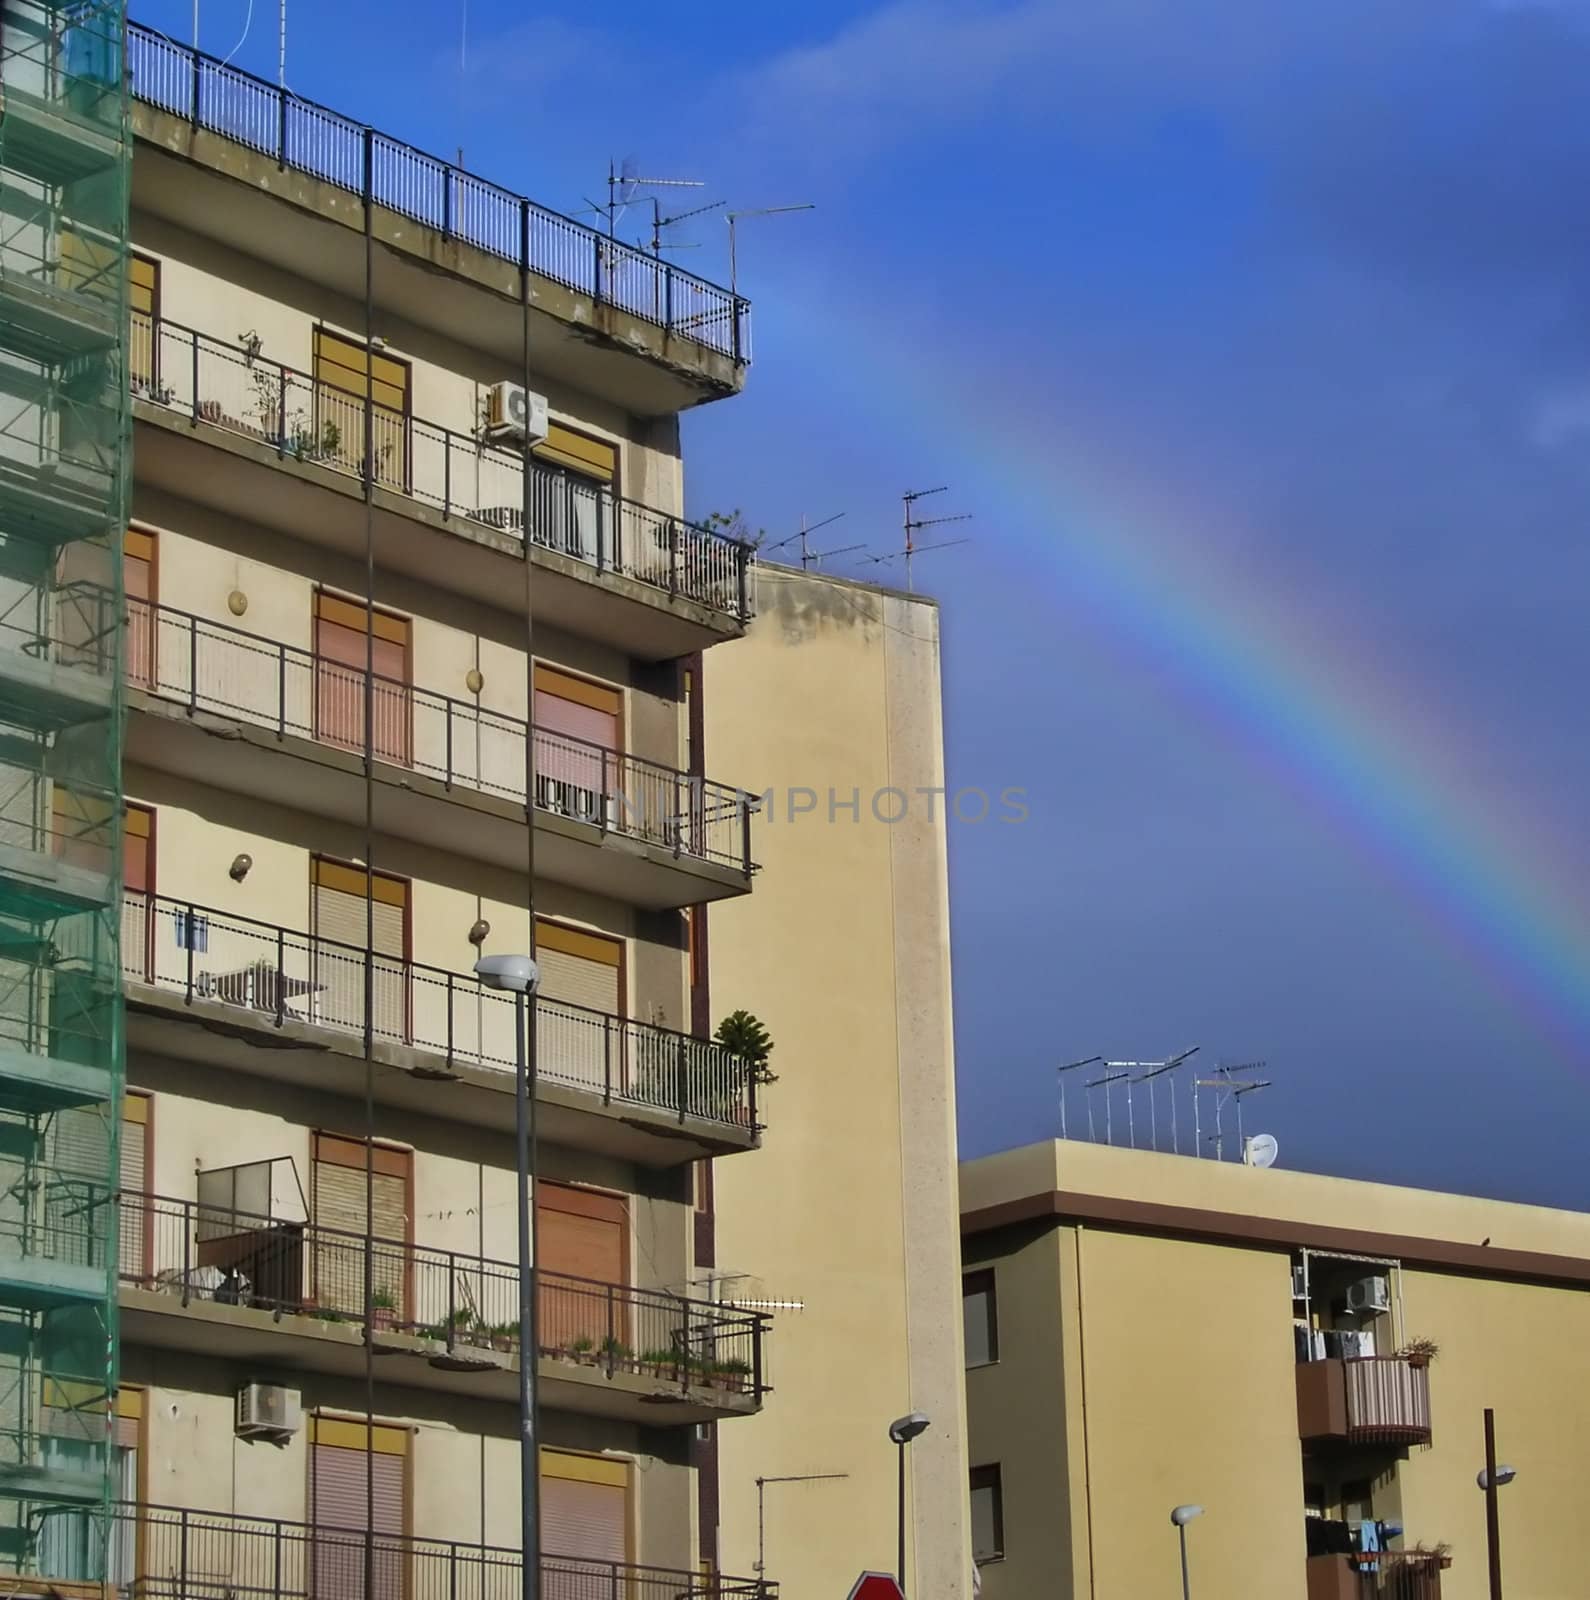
65,162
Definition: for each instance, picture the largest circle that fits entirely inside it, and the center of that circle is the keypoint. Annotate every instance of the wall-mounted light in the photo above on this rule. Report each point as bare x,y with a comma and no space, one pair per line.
474,680
477,934
237,602
239,869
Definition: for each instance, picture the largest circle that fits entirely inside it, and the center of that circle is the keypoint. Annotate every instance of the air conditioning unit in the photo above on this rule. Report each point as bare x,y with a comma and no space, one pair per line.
508,519
569,799
1369,1295
513,412
268,1411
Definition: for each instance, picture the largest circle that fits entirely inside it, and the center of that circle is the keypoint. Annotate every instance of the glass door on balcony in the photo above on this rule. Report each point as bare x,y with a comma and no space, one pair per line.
340,923
337,1204
345,376
347,637
578,737
347,1461
582,1234
138,582
572,508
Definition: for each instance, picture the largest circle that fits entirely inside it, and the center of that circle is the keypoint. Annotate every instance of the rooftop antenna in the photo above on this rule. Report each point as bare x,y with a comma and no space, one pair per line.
659,222
1060,1073
734,218
810,557
1107,1080
624,182
1227,1087
913,525
1147,1072
281,52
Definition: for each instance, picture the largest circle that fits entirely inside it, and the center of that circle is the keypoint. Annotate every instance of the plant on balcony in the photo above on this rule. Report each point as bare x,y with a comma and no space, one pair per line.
582,1350
745,1036
1419,1352
383,1310
505,1337
659,1364
731,1373
615,1353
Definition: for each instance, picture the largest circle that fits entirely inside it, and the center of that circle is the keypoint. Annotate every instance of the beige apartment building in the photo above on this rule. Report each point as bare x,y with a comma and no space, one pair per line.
1296,1354
382,615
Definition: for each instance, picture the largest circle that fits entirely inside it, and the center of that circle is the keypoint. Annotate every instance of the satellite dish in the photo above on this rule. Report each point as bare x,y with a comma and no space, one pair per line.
1261,1150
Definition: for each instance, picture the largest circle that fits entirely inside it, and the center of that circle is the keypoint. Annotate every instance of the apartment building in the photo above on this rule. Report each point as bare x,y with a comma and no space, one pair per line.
386,567
1308,1359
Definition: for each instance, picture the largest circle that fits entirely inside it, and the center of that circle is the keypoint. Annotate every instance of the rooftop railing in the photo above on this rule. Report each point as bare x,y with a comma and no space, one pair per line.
211,666
219,382
280,976
307,137
459,1301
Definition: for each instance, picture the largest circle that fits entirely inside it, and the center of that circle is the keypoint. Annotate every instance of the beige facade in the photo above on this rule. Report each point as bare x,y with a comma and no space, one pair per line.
1168,1331
572,685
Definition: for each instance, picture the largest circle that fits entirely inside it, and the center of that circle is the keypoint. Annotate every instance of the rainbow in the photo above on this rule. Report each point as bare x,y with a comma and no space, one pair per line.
1351,740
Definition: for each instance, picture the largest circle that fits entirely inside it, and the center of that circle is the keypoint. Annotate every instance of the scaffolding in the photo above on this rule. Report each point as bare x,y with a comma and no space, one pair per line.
65,148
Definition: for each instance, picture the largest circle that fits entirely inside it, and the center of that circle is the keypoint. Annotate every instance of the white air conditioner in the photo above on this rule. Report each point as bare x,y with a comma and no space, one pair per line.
1369,1295
513,412
508,519
569,799
268,1411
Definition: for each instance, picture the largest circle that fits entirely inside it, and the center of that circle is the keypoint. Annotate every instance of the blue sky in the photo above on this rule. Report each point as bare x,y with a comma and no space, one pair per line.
1257,339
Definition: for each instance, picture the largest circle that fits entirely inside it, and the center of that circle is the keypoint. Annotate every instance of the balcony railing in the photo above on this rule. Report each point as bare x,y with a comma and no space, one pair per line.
307,137
170,1553
218,382
455,1299
280,975
1384,1575
1388,1401
210,666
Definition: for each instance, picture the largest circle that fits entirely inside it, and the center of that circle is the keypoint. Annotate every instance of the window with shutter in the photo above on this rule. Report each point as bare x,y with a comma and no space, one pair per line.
345,374
337,1199
572,509
347,635
584,1234
353,1469
338,924
138,890
584,1522
135,1219
70,1541
138,582
578,736
143,285
579,968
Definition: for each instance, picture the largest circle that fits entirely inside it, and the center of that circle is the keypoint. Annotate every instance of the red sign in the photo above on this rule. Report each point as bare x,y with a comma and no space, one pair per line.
877,1586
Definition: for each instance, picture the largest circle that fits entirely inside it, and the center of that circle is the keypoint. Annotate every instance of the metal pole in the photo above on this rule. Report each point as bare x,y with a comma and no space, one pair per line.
1493,1530
1186,1593
529,1465
900,1564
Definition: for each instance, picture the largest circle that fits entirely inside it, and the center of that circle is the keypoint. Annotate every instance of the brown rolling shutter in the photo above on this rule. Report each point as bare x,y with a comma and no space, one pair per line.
340,1470
138,581
338,925
337,1191
583,1234
584,1518
135,1217
138,883
581,969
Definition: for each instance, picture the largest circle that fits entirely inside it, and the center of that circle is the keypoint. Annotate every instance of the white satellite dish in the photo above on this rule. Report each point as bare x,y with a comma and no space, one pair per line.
1261,1150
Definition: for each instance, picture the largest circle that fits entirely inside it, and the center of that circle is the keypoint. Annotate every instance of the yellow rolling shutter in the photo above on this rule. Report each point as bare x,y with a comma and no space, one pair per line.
584,1512
580,969
580,452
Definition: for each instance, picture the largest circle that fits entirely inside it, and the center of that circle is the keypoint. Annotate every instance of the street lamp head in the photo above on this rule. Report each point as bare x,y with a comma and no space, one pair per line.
518,974
1182,1515
904,1429
1504,1476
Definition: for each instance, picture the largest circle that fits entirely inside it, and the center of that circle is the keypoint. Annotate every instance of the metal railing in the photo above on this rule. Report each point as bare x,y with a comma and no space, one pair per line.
205,954
456,1299
310,138
1402,1575
173,1553
220,383
212,666
1388,1400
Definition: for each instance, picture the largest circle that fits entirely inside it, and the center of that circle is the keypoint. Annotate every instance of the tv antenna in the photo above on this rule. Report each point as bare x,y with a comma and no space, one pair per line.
624,183
1148,1072
1107,1081
913,525
1227,1087
734,217
810,557
659,222
1060,1073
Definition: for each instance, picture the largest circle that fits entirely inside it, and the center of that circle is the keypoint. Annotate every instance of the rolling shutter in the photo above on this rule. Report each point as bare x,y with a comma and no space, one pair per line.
338,925
135,1217
572,510
143,292
581,1233
579,452
341,650
575,721
584,1518
580,969
344,374
349,1465
138,580
337,1191
138,888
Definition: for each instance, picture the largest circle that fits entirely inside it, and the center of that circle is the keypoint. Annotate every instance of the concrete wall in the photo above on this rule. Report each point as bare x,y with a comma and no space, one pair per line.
1140,1368
843,951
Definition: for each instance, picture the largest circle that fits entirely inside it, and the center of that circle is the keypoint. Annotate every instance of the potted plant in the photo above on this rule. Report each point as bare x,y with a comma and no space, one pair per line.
383,1310
659,1364
583,1351
505,1337
731,1374
1419,1352
615,1353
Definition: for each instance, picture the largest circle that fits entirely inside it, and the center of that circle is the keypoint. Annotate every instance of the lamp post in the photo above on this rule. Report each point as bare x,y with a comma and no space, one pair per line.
1490,1478
901,1432
518,976
1180,1517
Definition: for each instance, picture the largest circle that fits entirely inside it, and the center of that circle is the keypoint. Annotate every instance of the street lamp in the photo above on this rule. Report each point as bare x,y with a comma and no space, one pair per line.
518,976
1490,1478
901,1432
1180,1517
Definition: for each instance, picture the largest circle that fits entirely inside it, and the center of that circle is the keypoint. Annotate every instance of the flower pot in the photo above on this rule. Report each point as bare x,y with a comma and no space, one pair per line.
382,1318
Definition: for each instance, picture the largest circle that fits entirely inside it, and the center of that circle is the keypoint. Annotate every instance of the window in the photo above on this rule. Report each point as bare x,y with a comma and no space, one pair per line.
988,1515
344,372
578,734
572,509
980,1315
138,580
143,287
337,1200
584,1523
138,894
342,925
582,1243
347,637
344,1457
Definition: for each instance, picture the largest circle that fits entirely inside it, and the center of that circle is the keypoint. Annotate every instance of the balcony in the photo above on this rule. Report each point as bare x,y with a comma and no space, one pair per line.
1376,1401
611,823
214,1280
652,584
1387,1575
205,985
604,316
171,1553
